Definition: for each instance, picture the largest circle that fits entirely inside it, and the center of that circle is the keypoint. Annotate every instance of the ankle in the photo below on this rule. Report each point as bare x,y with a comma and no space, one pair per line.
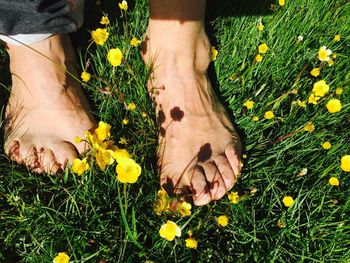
174,46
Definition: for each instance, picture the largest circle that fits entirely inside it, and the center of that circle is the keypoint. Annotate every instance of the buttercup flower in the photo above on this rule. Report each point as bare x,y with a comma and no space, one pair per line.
103,131
263,48
115,56
104,21
249,104
269,115
258,58
85,76
222,220
100,36
123,140
339,90
78,139
320,88
214,54
119,153
313,99
131,106
128,171
163,202
62,257
309,127
301,103
104,158
330,62
123,5
288,201
281,224
281,2
191,243
315,72
326,145
184,208
255,118
80,166
233,196
333,181
135,42
333,105
261,27
336,38
125,121
170,230
345,163
144,114
324,53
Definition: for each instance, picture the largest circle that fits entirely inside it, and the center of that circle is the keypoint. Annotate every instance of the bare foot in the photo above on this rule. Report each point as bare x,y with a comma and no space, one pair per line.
199,149
46,108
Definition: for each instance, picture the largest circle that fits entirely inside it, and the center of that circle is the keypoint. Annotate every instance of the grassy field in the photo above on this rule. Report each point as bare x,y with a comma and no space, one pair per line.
95,218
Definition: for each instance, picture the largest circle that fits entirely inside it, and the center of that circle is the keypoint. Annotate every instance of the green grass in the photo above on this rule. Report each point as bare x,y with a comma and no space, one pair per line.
42,215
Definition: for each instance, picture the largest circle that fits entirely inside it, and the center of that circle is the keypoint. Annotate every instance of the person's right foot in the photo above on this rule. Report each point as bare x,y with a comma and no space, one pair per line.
46,108
199,149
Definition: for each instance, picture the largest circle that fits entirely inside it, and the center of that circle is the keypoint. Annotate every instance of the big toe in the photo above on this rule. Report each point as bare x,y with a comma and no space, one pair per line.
64,152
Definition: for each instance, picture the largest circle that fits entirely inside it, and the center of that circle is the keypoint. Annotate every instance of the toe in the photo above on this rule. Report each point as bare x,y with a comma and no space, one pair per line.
31,158
216,183
13,151
48,162
200,188
64,152
227,173
233,157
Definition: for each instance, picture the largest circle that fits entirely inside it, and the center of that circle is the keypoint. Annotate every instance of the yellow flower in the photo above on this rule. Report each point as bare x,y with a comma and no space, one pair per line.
334,56
324,53
281,2
339,90
144,114
326,145
115,57
163,202
333,181
333,105
258,58
315,72
313,99
85,76
184,208
345,163
131,106
288,201
104,158
214,54
128,171
103,131
301,103
261,27
135,42
123,5
222,220
269,115
123,140
125,121
330,62
263,48
62,257
119,153
244,156
80,166
249,104
233,197
281,224
309,127
104,21
191,243
336,38
170,230
255,118
100,36
78,139
320,88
